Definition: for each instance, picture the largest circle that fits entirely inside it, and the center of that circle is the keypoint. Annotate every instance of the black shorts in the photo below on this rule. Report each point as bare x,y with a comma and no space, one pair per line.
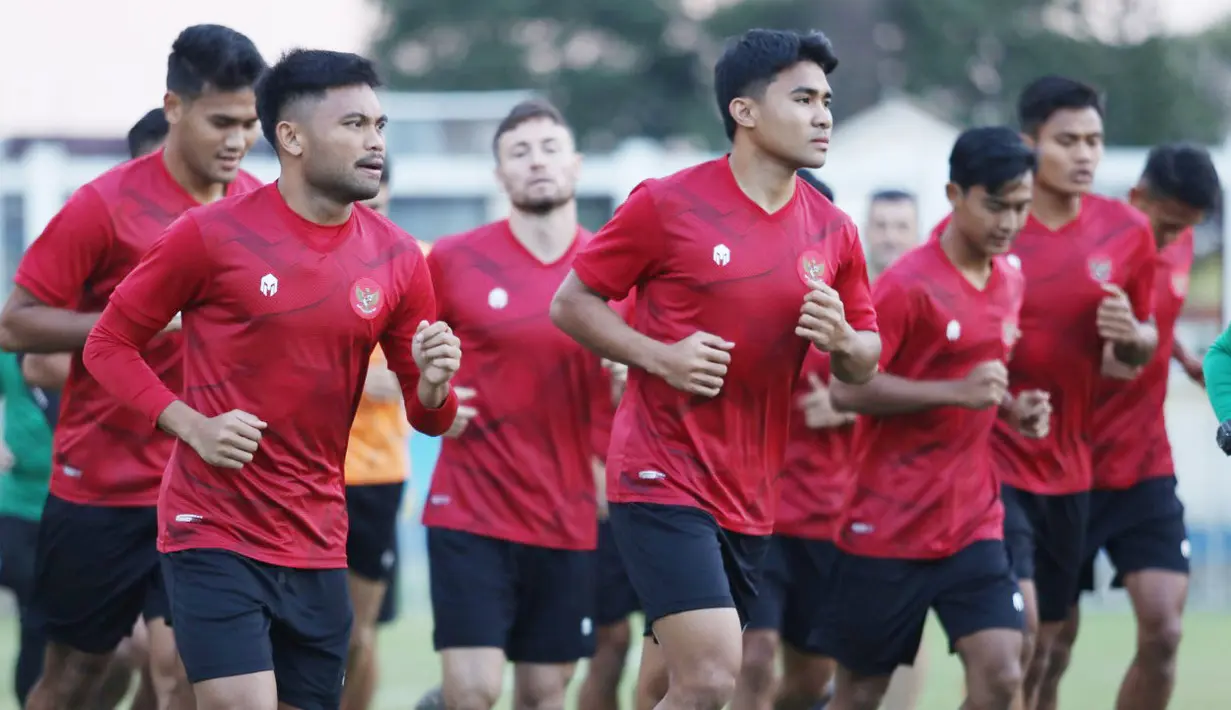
373,515
679,559
795,574
390,603
616,599
873,617
1046,537
18,548
1140,528
535,603
96,572
235,616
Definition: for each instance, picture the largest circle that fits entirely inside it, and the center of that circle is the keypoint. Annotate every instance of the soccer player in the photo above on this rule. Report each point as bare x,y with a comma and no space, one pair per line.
740,269
892,228
1135,514
1089,267
922,525
285,293
511,511
97,569
148,133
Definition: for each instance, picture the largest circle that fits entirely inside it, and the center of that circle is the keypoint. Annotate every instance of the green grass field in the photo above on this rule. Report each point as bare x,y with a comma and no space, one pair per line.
409,667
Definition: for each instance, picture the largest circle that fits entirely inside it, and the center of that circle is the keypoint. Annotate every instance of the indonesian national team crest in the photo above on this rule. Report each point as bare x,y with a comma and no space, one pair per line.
366,298
1100,269
811,267
1179,284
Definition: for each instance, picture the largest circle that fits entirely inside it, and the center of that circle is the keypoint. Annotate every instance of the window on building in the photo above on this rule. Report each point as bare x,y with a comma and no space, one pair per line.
593,211
429,218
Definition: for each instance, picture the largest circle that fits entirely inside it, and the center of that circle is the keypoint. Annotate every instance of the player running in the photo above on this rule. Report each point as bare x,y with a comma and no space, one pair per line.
739,269
97,568
1089,266
148,133
285,293
1135,514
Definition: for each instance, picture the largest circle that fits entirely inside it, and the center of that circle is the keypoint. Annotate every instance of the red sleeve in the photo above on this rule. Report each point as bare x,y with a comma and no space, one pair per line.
895,314
417,304
173,273
59,263
629,249
1140,283
851,283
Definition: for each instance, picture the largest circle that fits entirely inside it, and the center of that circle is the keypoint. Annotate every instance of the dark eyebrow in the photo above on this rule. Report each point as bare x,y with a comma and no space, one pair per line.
813,92
364,116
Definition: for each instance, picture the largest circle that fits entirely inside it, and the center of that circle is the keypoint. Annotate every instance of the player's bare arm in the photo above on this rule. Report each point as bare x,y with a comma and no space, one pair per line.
30,326
1191,363
822,320
1134,341
820,411
1029,412
381,384
46,371
438,354
886,395
696,364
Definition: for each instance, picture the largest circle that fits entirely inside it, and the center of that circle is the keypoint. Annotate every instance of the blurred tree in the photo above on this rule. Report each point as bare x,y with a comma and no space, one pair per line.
970,58
617,68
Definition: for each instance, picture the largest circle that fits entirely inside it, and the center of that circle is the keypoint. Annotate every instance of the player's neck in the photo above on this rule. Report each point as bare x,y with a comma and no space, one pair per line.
201,189
548,237
765,181
310,203
975,267
1054,209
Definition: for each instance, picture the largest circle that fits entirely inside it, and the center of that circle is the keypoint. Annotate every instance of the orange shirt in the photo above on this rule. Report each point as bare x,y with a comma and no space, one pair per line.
377,450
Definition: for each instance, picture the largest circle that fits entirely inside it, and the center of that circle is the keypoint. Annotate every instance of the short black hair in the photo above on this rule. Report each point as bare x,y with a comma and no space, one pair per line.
149,130
991,156
810,177
751,61
386,172
1046,95
528,110
307,73
212,56
893,195
1183,172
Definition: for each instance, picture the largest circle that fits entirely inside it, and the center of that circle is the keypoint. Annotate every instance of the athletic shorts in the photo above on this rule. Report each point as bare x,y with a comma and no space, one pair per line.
535,603
615,598
18,548
390,603
235,616
96,572
679,560
1046,537
1141,528
794,575
373,515
873,616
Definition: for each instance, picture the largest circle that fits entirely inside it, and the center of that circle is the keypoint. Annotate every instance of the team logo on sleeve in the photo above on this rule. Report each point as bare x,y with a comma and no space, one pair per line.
1100,269
811,267
366,298
1179,285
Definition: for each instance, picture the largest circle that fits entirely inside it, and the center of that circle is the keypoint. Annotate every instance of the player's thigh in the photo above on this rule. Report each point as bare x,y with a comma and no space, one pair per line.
615,598
811,564
1060,553
220,610
93,571
554,618
310,636
765,609
872,617
473,587
973,592
1148,530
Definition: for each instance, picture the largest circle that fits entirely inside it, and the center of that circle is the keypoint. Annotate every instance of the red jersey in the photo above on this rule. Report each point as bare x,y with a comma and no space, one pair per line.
817,469
281,316
521,469
705,257
925,487
105,453
1130,435
1060,351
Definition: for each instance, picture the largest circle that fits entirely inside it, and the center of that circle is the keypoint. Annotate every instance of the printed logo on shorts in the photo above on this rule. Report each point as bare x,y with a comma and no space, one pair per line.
587,626
811,267
366,298
1100,269
1019,602
1186,548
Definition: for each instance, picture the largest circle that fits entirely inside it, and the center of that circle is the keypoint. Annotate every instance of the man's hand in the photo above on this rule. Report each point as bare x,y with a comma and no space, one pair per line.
822,319
465,412
1114,368
618,372
176,323
696,364
1030,413
818,409
227,440
1116,321
984,386
437,352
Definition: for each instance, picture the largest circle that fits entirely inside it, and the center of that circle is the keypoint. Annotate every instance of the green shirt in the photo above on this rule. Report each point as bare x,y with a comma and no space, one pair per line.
27,433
